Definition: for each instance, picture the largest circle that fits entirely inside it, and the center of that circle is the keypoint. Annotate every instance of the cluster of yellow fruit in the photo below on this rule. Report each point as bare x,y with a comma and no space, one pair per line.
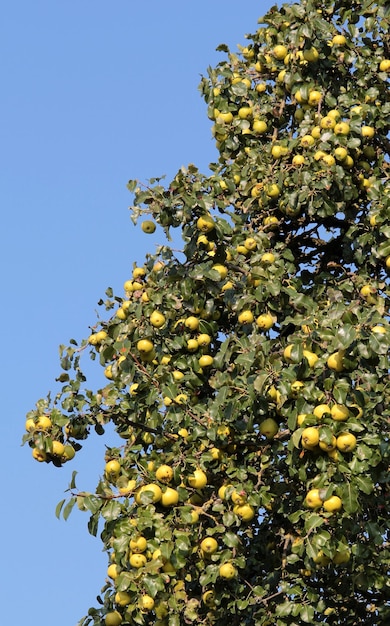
45,445
314,500
317,438
255,97
142,551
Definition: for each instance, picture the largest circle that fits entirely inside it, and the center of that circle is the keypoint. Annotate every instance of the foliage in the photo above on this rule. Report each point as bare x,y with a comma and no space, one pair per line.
248,375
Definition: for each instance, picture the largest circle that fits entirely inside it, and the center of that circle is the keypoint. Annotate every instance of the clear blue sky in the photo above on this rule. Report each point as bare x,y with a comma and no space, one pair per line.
93,93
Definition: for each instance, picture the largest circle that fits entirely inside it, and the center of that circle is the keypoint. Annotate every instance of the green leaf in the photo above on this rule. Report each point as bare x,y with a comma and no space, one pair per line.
307,614
313,521
59,508
68,508
364,483
111,511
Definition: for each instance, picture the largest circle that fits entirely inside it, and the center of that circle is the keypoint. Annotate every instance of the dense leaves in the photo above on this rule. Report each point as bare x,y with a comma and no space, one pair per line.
248,374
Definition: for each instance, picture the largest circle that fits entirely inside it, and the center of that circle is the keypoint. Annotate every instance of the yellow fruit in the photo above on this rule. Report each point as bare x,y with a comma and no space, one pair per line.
319,155
311,55
133,389
164,473
328,159
205,223
170,497
280,52
245,511
298,159
112,469
208,598
157,319
368,131
348,162
297,387
209,545
313,500
335,361
246,317
334,503
339,412
206,360
311,357
379,330
192,322
181,398
152,490
307,141
299,97
227,285
301,418
238,497
39,455
146,603
260,87
384,65
310,437
314,98
269,428
341,128
177,375
221,269
30,425
139,272
271,221
333,454
366,292
346,442
138,545
339,40
198,479
148,227
216,453
112,571
225,118
267,258
227,570
58,448
243,250
113,618
265,321
43,423
127,487
328,447
183,432
340,153
122,598
144,345
321,410
327,122
259,126
244,112
137,560
272,191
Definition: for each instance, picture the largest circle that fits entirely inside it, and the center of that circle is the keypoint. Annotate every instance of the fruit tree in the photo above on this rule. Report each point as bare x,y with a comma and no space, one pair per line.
247,376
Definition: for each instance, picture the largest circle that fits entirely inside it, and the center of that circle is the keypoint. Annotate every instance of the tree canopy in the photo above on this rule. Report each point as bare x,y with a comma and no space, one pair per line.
247,374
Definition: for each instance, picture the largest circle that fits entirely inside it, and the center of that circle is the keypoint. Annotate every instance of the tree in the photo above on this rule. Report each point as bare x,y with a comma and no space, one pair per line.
248,375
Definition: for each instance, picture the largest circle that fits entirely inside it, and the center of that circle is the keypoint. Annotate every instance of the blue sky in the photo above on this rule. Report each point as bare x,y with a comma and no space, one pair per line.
93,94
